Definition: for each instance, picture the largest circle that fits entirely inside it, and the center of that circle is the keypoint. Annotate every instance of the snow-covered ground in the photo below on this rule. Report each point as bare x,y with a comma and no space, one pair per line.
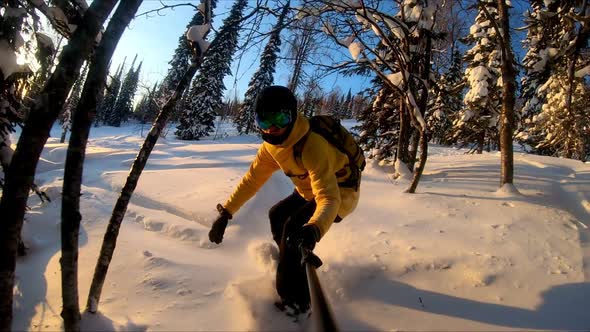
457,255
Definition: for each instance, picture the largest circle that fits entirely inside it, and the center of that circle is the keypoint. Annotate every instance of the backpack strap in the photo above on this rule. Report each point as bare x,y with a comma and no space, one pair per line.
298,148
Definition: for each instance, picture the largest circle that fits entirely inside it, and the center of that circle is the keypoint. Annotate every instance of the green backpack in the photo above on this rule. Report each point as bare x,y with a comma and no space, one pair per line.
333,132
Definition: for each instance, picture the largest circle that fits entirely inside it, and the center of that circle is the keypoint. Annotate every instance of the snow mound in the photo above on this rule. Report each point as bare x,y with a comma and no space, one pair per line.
173,230
508,190
478,278
152,262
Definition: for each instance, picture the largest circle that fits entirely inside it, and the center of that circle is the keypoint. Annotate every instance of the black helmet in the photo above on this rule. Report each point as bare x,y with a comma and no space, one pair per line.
276,105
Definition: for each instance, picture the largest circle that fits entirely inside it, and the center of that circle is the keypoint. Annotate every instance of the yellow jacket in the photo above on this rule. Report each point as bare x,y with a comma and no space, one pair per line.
317,180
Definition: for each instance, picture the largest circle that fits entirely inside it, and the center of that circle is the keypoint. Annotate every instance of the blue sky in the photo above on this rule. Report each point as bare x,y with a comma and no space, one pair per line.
155,38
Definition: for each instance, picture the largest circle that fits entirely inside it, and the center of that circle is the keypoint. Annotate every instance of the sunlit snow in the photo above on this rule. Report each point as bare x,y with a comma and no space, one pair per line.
460,254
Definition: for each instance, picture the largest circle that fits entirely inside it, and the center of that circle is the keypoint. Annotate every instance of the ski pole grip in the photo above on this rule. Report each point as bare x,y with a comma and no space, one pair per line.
307,256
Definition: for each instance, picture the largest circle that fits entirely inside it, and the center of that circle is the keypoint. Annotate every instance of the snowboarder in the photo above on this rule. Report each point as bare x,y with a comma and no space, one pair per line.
321,196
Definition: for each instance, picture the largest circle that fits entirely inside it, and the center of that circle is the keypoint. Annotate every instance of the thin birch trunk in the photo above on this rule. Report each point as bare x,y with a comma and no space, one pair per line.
413,148
404,135
424,75
81,123
110,238
21,172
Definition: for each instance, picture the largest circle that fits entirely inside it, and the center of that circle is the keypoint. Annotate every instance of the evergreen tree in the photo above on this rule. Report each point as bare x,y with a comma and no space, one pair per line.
379,124
561,126
263,77
110,98
567,132
478,122
542,31
181,59
536,68
446,102
347,106
124,104
197,119
14,77
72,103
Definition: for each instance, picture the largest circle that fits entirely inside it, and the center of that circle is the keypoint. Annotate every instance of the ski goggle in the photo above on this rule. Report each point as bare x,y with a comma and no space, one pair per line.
277,119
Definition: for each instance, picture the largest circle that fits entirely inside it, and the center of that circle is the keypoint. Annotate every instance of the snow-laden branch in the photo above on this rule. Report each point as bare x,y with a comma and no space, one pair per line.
196,35
380,40
63,24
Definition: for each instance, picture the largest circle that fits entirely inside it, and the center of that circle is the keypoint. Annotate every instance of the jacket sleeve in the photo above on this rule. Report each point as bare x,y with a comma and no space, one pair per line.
319,158
260,171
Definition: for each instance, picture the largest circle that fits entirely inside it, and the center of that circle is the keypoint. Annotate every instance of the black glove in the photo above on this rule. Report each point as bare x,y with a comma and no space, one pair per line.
307,236
219,225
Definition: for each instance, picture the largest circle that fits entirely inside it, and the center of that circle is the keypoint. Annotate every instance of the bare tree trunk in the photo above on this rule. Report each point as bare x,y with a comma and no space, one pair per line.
508,98
110,238
413,147
404,135
420,169
21,172
112,232
480,137
424,75
81,123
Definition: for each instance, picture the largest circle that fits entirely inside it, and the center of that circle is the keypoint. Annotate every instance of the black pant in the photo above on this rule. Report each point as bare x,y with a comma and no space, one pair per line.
286,218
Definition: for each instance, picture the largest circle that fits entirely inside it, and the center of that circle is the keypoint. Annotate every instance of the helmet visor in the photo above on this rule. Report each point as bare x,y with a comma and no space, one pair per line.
277,119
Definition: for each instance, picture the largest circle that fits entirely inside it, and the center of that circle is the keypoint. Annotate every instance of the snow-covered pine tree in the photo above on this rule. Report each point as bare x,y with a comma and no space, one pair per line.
379,124
567,131
197,119
14,77
72,103
181,59
263,77
446,102
562,127
124,105
128,111
110,98
478,122
543,31
549,127
182,103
